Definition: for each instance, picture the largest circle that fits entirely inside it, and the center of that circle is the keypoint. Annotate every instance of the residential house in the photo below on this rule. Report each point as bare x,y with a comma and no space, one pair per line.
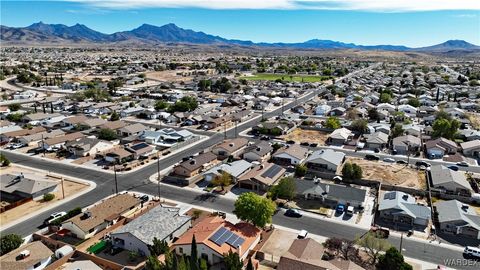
471,148
450,181
230,147
36,118
290,155
131,111
59,142
325,160
307,254
113,125
458,218
10,135
439,147
140,150
261,177
273,128
322,109
404,145
32,256
18,187
34,139
131,130
197,164
401,210
330,194
165,137
337,111
118,156
163,223
257,152
377,140
87,146
212,241
412,129
72,121
340,136
101,216
235,169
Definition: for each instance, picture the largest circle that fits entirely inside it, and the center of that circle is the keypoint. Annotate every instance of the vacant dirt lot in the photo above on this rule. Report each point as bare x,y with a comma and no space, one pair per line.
390,173
71,188
303,135
167,76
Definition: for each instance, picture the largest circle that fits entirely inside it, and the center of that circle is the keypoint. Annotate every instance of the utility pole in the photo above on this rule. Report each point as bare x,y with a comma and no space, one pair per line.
401,243
115,173
236,128
63,190
224,128
158,175
43,146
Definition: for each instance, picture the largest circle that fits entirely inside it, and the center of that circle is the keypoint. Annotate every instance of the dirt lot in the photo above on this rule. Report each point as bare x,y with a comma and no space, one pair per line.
167,76
390,173
32,206
303,135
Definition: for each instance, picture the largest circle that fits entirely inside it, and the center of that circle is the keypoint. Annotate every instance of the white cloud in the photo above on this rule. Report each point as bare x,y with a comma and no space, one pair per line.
367,5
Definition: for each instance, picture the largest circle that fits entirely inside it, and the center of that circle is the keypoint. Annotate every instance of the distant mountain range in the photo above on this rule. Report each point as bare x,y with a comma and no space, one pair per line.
40,33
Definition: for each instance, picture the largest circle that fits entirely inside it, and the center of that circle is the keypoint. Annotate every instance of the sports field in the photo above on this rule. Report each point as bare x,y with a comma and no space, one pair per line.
286,77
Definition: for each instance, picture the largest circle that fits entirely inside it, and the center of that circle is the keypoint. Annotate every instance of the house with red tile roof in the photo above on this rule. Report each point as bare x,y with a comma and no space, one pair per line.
216,237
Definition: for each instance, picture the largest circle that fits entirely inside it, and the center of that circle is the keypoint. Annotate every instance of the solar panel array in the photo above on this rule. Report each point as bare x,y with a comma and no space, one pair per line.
225,236
272,171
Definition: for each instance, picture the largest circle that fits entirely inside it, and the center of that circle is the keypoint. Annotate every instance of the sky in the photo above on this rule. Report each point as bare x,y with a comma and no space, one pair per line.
413,23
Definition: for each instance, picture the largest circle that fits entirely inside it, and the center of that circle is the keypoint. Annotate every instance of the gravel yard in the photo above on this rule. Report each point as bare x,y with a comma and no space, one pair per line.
303,135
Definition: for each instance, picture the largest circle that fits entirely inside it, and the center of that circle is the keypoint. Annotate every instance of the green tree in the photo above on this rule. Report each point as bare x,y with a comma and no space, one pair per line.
414,102
9,242
357,172
300,170
203,264
194,254
445,128
107,134
14,117
333,123
14,107
158,247
161,105
385,98
392,260
347,170
360,125
182,265
373,114
232,261
284,190
254,208
397,130
352,171
114,116
222,180
48,197
4,160
152,263
373,246
204,85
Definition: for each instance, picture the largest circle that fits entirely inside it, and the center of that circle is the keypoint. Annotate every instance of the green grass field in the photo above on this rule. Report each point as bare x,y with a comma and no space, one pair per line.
286,77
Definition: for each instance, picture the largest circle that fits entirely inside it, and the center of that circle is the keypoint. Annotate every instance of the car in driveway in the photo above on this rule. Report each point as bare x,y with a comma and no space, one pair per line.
293,213
463,164
389,160
302,234
340,209
53,217
403,162
371,157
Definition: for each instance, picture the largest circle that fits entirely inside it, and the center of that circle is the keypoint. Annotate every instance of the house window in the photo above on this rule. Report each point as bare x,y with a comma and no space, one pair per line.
204,256
91,230
180,250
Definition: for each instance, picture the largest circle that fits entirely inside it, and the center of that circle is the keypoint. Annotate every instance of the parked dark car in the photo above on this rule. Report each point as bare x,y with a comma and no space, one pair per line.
291,142
463,164
453,167
371,157
293,213
313,144
304,143
401,162
264,138
422,163
144,198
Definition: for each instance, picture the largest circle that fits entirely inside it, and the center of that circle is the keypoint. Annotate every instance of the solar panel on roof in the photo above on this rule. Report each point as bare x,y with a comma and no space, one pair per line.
232,239
272,171
214,238
224,237
238,242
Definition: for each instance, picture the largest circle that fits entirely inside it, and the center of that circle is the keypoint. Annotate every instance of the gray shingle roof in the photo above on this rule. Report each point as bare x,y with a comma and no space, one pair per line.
441,175
404,203
452,210
326,155
159,222
334,191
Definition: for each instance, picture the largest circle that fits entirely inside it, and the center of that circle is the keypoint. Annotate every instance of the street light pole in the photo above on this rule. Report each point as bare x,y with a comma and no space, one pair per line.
401,243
